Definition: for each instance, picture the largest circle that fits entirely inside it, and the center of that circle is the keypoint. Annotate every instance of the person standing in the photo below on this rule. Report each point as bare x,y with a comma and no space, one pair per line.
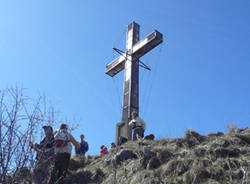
138,127
84,147
62,148
44,156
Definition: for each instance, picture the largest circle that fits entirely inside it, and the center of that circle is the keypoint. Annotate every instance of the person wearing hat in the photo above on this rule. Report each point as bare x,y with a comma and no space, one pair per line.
45,148
44,155
63,149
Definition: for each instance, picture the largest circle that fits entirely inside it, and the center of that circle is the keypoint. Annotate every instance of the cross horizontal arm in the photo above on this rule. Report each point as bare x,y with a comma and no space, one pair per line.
148,43
115,66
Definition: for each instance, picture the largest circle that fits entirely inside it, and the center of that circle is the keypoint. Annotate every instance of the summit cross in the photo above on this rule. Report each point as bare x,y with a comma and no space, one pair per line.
129,60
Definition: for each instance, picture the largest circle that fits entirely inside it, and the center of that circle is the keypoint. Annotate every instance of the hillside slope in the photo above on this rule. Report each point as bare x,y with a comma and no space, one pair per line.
214,159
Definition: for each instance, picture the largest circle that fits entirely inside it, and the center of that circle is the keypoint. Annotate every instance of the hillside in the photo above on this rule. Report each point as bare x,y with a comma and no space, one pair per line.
214,159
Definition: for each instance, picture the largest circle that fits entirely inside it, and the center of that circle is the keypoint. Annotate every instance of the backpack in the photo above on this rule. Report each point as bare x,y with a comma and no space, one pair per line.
84,146
61,139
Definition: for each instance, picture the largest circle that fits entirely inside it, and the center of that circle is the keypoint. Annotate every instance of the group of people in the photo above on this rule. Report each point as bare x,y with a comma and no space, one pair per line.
104,149
56,148
138,128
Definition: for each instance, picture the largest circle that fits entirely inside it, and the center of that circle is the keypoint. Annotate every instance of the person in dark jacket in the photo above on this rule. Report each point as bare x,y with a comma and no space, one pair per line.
44,155
83,149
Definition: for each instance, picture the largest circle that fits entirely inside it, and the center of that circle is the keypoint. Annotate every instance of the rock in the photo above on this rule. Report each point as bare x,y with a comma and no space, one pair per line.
149,137
177,167
217,134
75,164
196,175
180,142
244,137
191,133
237,175
171,166
245,130
97,175
164,156
123,155
200,152
206,163
193,138
79,177
154,163
226,152
147,154
225,143
195,159
191,142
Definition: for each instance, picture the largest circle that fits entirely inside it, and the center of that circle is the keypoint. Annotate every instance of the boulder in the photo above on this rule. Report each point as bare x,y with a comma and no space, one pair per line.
192,133
75,164
226,152
147,154
97,175
164,156
217,134
153,163
196,175
193,138
122,155
244,137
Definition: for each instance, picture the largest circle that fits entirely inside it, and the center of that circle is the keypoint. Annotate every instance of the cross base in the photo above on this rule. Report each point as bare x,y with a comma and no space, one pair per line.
123,131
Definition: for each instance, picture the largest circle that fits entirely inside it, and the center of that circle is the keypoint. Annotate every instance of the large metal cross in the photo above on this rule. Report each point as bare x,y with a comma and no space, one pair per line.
129,60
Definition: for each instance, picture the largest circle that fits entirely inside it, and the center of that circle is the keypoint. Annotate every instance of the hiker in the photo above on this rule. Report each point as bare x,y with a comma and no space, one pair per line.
112,146
104,150
138,127
84,147
63,148
44,156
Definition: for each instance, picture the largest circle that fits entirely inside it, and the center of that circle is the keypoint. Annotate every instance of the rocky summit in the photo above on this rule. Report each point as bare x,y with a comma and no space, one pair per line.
216,158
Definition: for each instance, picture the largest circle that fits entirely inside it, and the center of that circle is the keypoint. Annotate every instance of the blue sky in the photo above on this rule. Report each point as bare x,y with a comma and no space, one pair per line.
200,76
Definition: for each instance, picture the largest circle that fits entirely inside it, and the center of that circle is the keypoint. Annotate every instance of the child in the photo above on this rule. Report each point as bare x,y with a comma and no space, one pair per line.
103,150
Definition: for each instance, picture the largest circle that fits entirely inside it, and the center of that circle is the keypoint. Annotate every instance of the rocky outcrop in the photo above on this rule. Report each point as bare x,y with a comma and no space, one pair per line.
194,159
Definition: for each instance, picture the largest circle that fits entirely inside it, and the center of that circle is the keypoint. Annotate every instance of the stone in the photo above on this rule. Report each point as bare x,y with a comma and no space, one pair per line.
122,156
217,134
196,175
75,164
97,175
191,133
147,152
171,165
224,152
153,163
193,138
244,137
200,152
164,155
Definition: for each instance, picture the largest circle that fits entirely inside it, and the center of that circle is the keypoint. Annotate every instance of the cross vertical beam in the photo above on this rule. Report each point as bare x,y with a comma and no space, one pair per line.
131,76
130,62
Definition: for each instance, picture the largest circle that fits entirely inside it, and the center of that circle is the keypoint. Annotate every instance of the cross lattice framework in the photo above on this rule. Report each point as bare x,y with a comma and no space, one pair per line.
129,60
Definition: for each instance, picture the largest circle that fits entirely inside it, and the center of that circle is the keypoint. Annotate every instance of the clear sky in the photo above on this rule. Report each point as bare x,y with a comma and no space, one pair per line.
200,76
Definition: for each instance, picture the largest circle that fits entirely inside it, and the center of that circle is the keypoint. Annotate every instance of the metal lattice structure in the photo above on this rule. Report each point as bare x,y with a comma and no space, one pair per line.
129,60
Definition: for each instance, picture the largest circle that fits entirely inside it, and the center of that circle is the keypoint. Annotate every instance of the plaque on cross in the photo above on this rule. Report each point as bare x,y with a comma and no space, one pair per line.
129,60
